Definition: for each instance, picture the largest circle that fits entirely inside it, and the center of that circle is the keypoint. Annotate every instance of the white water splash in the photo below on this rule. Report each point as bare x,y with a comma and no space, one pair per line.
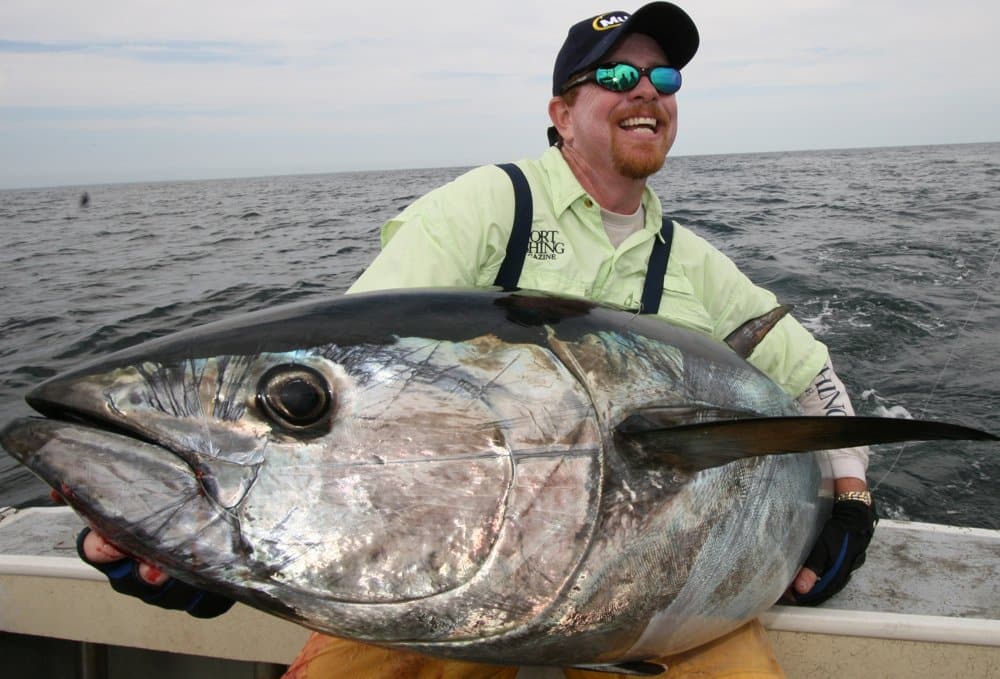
883,408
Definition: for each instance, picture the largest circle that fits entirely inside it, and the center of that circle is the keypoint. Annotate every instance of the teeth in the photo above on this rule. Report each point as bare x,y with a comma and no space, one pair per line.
639,122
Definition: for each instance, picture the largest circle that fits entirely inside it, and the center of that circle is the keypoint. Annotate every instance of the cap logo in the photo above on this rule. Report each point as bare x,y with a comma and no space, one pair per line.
608,21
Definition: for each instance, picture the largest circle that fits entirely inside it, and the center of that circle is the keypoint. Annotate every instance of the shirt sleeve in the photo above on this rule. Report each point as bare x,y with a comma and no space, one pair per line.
455,235
788,354
826,396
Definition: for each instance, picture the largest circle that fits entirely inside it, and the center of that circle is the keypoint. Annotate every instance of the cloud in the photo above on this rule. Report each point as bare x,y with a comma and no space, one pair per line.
414,84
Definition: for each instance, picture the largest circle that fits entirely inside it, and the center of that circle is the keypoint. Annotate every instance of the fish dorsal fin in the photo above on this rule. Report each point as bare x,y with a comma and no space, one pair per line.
745,338
701,445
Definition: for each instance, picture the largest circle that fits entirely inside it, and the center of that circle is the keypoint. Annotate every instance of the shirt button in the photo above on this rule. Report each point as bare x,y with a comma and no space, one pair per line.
588,202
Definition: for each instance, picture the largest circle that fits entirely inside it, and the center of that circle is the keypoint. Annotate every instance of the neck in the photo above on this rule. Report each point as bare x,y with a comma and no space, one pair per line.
612,190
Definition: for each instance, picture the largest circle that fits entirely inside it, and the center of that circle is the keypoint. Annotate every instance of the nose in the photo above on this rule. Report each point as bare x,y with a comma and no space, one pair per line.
644,89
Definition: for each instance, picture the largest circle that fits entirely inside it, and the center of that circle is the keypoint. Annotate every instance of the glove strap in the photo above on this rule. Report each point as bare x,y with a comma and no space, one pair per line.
831,572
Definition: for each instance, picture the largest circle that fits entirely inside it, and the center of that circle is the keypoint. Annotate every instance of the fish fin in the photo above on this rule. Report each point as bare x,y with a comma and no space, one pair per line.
693,447
638,668
745,338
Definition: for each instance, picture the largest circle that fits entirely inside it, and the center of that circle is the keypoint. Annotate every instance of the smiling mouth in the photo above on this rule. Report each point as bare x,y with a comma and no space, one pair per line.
641,123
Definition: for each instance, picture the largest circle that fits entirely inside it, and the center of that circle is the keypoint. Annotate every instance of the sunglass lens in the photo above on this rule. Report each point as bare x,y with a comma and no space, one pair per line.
665,79
618,77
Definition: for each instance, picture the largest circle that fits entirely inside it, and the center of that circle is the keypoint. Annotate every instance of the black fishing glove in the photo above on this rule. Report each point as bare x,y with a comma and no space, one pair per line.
839,550
172,594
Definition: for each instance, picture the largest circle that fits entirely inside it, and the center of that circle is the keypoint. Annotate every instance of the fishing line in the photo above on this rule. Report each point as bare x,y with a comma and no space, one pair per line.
957,345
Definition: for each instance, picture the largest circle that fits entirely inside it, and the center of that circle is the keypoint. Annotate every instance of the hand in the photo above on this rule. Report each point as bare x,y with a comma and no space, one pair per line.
145,581
99,553
839,551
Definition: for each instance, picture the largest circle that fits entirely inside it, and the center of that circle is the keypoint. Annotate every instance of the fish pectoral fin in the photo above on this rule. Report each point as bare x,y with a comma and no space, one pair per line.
693,447
638,668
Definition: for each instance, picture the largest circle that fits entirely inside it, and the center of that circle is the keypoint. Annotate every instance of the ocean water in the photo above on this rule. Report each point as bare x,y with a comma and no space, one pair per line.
890,256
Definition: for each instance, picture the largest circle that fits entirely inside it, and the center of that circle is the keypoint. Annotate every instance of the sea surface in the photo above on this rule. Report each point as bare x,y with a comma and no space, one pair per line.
889,255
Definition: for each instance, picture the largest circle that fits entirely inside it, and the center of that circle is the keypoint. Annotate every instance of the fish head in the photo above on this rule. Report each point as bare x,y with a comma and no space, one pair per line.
282,456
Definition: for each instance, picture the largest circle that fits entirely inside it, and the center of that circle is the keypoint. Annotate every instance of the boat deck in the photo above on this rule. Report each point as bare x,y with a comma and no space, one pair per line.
926,603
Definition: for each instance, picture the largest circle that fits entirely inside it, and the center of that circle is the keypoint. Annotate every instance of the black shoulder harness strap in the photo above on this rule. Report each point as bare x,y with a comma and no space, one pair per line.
520,235
517,244
656,269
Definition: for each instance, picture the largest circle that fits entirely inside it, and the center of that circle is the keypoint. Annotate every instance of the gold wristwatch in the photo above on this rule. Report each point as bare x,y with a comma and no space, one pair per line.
857,495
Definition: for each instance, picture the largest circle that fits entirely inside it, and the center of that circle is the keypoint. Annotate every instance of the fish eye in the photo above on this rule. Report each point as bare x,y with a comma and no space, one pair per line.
295,397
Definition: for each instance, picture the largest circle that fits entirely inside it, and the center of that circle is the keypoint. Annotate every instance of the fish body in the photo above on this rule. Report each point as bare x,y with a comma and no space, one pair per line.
502,477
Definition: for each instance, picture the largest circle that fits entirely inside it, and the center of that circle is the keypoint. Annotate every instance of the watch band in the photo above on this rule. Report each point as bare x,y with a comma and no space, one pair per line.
857,495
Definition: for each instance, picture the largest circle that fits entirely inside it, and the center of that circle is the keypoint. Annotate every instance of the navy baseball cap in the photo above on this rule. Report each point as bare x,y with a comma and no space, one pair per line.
590,40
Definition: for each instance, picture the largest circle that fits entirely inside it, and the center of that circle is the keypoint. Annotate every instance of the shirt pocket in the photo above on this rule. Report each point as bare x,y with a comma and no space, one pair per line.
679,305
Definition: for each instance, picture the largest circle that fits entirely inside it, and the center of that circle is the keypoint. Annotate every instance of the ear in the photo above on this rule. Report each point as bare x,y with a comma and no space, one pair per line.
561,117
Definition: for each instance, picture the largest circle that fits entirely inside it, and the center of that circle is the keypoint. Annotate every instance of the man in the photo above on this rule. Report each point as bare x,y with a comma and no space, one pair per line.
593,225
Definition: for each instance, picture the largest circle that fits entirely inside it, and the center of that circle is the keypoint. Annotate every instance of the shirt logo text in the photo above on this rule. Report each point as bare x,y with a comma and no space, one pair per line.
544,245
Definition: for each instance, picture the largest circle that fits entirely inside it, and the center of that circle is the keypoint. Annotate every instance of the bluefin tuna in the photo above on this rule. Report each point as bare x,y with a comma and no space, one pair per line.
506,478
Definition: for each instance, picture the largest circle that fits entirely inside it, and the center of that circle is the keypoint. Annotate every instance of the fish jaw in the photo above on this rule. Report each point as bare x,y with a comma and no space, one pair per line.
135,493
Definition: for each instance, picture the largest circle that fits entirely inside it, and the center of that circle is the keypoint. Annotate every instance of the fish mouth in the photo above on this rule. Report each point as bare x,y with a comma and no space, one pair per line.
67,453
140,496
84,402
43,443
74,400
124,485
56,411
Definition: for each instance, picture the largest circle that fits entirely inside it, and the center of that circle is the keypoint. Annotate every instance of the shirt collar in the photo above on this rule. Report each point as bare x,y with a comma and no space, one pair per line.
566,189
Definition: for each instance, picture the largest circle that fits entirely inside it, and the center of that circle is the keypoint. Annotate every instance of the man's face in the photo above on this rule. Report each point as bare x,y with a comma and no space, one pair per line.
624,132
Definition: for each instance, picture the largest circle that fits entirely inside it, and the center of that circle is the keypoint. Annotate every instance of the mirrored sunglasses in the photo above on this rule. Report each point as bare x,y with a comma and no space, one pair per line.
622,77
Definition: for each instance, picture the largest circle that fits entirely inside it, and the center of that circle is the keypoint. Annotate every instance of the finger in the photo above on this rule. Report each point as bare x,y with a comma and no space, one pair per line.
98,550
151,574
805,580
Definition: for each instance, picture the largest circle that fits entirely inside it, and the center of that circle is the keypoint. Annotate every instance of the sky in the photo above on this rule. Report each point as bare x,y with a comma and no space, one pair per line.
107,91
